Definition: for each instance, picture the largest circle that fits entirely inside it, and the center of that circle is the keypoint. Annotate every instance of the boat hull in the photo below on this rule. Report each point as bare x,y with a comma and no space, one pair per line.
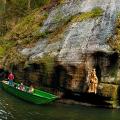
33,98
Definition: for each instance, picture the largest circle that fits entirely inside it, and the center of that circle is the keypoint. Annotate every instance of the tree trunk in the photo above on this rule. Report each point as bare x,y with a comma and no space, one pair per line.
29,4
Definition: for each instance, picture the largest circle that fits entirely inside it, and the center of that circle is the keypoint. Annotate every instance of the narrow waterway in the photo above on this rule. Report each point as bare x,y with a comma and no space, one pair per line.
12,108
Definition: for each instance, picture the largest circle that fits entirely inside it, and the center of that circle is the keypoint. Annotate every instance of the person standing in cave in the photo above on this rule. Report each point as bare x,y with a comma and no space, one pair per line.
93,81
89,81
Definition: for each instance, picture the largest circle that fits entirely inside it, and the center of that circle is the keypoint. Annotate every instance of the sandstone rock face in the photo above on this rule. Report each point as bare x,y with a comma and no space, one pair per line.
84,44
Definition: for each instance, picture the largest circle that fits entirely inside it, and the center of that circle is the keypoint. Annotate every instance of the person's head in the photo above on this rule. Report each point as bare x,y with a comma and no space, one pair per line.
10,72
31,86
21,83
94,70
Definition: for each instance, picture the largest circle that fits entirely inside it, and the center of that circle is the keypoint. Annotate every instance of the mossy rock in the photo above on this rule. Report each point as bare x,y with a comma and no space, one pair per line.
114,41
95,12
108,90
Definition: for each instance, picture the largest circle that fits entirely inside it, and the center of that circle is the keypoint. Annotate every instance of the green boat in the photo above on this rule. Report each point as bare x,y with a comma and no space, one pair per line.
37,97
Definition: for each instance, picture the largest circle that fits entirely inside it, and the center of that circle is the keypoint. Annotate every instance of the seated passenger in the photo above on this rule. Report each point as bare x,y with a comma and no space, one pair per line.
21,87
31,89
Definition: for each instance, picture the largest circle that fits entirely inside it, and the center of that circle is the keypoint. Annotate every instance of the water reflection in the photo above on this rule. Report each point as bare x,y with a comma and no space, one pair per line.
12,108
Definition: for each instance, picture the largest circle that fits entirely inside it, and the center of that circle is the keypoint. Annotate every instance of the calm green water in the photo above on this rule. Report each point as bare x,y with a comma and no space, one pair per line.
12,108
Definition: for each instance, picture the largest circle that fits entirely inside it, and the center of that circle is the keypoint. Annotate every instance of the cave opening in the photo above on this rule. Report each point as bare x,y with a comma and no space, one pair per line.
113,64
35,73
105,63
33,67
59,77
113,59
98,63
98,72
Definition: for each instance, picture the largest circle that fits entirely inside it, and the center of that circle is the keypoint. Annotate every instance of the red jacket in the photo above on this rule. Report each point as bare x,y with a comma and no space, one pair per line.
11,76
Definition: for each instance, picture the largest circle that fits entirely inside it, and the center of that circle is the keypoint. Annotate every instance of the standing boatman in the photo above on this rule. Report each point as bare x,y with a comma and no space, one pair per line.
11,78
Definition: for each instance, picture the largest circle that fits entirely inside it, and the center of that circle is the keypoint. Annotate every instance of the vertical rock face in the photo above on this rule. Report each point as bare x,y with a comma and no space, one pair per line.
60,14
91,35
84,44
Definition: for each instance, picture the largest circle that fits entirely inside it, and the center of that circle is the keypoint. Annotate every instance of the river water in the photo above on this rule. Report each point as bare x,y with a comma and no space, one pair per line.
12,108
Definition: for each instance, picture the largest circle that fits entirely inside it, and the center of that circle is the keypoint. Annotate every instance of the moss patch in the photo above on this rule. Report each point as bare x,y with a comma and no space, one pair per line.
114,41
109,90
5,45
96,12
58,33
2,51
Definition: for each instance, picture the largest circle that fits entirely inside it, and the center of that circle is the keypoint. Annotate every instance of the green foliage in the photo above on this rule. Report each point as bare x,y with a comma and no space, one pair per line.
1,8
27,30
41,2
7,43
12,11
14,57
96,12
2,51
44,34
20,4
24,25
5,46
114,42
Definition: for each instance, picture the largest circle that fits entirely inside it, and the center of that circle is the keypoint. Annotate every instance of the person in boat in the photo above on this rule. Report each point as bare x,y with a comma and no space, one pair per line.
21,87
11,78
31,89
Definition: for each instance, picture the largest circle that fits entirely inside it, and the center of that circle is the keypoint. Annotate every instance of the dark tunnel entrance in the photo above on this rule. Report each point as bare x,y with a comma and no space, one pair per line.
59,77
98,63
105,63
98,72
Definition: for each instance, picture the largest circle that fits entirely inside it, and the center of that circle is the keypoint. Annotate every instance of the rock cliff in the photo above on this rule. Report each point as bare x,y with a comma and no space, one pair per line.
74,35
